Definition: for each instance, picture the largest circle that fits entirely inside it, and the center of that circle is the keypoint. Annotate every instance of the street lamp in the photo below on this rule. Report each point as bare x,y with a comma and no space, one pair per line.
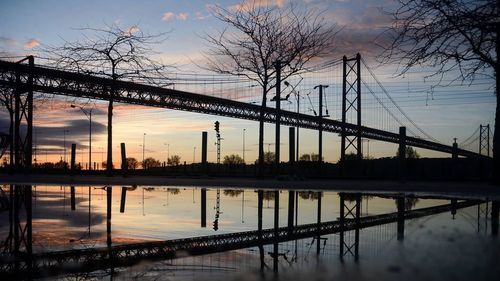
65,131
89,116
194,154
244,145
143,149
168,150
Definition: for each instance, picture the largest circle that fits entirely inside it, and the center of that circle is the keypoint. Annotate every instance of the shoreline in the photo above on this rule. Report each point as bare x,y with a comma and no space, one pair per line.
460,188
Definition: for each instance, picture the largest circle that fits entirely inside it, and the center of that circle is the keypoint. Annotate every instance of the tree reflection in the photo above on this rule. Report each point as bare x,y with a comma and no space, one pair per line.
410,203
310,195
173,191
232,192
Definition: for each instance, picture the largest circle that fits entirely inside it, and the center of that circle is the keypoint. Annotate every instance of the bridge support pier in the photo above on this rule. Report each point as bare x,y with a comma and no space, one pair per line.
204,141
402,154
352,213
124,158
291,150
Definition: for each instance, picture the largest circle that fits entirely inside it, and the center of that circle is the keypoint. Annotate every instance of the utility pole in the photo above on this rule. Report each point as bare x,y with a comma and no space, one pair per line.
320,116
89,116
143,149
278,113
64,143
216,128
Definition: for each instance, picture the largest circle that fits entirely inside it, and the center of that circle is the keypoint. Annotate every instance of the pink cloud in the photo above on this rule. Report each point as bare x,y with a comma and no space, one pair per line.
32,43
182,16
250,4
167,16
133,29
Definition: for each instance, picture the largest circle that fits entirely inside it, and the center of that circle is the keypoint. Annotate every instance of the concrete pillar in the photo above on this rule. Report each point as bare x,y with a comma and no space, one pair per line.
124,157
204,140
291,148
73,156
402,154
454,153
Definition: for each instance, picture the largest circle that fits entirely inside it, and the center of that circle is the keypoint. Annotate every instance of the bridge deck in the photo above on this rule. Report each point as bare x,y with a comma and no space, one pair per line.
60,82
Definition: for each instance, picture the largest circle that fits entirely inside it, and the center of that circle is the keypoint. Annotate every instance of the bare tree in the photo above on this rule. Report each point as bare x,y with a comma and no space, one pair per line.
448,35
112,52
257,37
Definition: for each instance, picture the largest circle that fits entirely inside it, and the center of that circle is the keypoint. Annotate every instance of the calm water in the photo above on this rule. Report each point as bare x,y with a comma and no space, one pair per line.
441,246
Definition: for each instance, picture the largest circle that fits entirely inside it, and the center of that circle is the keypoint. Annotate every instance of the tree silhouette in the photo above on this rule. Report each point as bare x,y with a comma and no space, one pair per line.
233,159
150,162
174,160
258,36
448,35
112,52
132,163
410,153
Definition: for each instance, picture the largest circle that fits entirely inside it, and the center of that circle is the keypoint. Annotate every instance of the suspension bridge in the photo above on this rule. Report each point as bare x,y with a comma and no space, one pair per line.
214,96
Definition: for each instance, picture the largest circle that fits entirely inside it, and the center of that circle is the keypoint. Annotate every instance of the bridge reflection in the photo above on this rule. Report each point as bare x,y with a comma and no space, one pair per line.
280,245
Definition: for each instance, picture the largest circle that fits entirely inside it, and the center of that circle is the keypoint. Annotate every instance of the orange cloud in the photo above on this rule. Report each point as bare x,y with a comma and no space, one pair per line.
133,29
167,16
182,16
32,43
251,4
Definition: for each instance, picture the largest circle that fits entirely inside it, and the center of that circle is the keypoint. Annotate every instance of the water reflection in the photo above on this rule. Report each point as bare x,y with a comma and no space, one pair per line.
278,235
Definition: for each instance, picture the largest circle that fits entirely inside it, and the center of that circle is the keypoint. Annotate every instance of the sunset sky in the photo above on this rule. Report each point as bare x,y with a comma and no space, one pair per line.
28,26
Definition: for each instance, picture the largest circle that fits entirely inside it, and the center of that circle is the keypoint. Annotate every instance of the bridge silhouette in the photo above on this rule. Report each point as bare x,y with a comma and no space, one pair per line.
25,79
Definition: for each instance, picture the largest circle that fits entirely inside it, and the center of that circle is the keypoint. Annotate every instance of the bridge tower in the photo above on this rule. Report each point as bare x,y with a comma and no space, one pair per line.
21,138
351,101
484,140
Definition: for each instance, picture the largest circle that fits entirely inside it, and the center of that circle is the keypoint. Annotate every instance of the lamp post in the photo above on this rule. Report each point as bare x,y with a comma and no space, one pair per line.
244,145
89,116
168,150
143,149
194,154
64,143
